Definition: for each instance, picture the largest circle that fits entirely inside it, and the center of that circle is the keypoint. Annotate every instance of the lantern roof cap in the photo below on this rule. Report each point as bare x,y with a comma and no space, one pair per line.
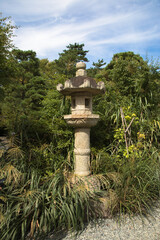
81,83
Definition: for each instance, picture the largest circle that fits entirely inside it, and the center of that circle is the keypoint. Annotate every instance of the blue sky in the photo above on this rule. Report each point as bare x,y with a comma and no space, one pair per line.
105,27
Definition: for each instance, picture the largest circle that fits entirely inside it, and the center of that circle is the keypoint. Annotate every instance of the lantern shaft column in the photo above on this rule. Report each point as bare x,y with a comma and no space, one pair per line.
81,89
82,151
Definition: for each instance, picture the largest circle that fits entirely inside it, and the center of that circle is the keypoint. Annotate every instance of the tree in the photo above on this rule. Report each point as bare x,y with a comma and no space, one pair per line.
99,64
129,72
26,64
134,79
6,34
48,70
131,83
66,64
54,107
22,109
23,96
92,72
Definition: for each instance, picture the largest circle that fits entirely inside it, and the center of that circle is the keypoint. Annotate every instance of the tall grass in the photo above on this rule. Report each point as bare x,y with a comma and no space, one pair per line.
37,206
140,183
136,180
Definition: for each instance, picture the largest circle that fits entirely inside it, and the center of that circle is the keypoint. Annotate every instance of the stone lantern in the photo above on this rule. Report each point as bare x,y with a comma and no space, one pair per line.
81,89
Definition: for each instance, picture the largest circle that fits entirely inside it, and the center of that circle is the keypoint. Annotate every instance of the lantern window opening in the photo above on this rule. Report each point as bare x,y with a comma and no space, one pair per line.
87,102
73,103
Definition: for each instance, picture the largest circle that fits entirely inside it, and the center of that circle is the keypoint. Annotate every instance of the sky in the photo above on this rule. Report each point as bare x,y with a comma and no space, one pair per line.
105,27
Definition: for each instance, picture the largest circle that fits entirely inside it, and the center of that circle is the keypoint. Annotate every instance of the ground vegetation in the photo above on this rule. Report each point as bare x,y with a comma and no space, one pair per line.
39,195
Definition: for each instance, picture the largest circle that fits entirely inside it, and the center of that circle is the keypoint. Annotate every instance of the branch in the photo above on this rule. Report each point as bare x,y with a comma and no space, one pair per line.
115,148
122,116
129,125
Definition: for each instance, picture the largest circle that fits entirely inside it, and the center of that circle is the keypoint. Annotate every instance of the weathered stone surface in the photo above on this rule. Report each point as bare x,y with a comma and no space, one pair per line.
81,89
81,83
60,87
82,120
82,151
91,183
81,65
108,202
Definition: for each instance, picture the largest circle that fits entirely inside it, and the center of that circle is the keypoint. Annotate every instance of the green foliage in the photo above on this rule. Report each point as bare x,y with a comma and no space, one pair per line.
129,113
94,71
135,179
26,64
54,107
99,64
130,82
129,72
35,92
41,195
66,64
47,69
140,182
22,109
6,34
36,206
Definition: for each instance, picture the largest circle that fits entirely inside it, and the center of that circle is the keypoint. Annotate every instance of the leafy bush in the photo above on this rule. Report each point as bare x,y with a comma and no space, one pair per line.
36,205
40,195
134,158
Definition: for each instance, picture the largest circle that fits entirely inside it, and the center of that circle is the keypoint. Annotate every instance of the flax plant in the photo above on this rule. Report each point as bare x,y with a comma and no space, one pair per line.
135,180
40,205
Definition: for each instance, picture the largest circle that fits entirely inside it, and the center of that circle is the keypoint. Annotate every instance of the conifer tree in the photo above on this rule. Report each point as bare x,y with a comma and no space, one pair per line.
66,64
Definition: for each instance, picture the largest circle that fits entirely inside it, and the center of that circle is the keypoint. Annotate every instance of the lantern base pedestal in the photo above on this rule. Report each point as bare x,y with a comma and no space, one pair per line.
82,152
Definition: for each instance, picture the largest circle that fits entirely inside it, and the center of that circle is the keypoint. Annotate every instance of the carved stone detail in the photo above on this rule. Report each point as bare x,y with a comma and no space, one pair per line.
81,89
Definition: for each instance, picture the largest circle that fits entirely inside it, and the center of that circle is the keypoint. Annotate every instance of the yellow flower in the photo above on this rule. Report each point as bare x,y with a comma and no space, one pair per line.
127,117
141,135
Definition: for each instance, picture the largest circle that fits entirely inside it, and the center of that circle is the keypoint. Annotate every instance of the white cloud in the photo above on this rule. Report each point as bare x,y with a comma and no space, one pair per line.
37,9
45,39
129,38
48,26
